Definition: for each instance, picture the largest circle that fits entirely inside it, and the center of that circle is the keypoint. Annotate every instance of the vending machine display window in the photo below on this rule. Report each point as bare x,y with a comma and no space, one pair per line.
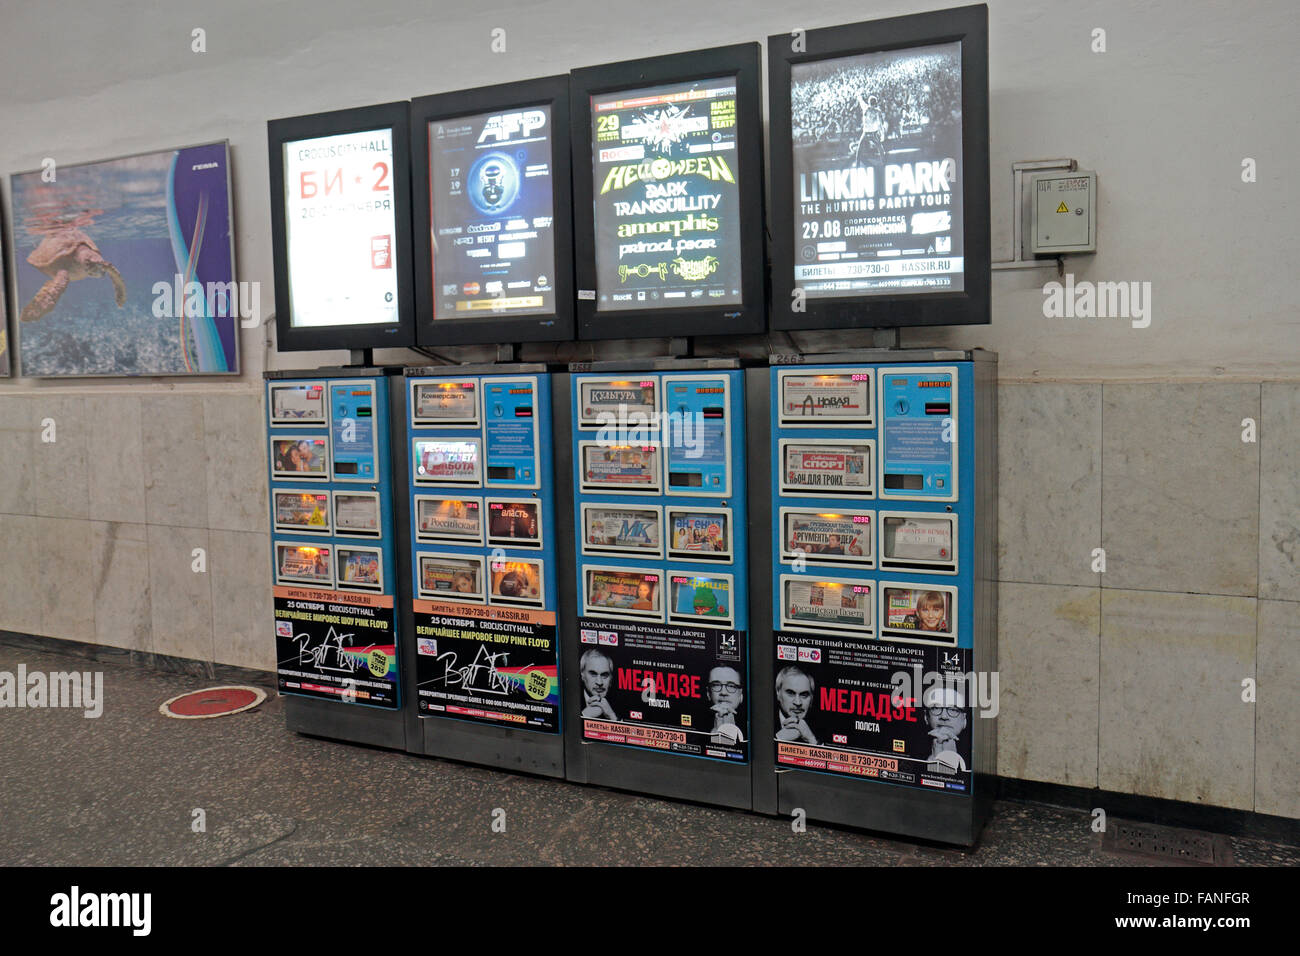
620,529
813,603
925,613
699,534
360,569
301,511
445,403
704,600
303,563
619,469
298,403
827,467
518,581
629,404
818,536
301,457
826,398
453,519
448,461
451,577
918,542
623,592
514,522
358,513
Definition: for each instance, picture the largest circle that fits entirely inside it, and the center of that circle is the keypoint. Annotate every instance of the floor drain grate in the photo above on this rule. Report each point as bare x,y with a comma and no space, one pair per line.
1166,844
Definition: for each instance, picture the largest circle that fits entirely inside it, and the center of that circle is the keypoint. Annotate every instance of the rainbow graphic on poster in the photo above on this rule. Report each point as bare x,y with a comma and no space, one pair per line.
539,683
379,660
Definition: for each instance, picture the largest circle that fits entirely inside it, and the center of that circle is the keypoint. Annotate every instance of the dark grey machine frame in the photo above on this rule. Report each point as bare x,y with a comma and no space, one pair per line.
358,724
526,751
628,768
915,812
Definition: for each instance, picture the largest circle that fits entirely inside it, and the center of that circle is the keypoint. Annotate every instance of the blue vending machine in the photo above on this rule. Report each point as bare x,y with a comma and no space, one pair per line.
483,599
657,663
334,554
882,608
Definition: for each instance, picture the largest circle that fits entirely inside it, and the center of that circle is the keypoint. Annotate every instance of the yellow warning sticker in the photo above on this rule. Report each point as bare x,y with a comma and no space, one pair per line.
1062,207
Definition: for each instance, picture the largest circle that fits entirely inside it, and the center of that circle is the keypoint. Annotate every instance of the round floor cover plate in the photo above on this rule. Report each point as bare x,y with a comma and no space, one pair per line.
212,702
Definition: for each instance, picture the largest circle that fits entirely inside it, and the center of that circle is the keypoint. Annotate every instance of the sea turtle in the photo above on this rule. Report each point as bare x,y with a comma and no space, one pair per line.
65,255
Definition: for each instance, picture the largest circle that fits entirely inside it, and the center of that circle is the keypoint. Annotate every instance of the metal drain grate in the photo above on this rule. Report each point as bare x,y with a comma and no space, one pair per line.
1166,844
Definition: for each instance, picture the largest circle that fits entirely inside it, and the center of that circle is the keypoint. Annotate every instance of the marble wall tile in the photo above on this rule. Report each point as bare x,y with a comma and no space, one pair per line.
123,609
1048,655
1173,723
180,599
18,437
1279,492
1180,489
175,461
21,593
243,629
116,457
61,483
1049,483
237,451
67,578
1277,745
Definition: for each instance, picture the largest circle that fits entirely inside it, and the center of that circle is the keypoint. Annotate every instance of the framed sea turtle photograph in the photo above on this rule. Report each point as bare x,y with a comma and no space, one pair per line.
126,267
4,303
4,315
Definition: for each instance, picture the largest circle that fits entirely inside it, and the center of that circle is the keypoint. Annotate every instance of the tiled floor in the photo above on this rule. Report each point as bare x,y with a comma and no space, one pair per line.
122,789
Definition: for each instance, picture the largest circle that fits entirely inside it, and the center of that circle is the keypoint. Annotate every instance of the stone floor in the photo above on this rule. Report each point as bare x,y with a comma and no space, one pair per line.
122,790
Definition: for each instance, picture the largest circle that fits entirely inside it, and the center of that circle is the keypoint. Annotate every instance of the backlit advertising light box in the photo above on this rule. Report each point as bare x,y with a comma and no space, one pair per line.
493,223
880,187
340,217
668,217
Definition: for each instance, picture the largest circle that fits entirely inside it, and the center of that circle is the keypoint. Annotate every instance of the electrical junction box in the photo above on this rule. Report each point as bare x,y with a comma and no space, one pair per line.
1062,211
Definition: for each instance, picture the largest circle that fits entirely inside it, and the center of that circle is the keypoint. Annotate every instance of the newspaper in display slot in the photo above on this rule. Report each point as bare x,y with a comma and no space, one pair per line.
842,604
300,456
629,528
623,465
356,512
627,591
360,566
833,468
846,536
448,517
919,539
298,402
840,396
447,577
918,609
514,521
517,581
448,460
305,562
306,510
704,532
612,401
454,402
703,597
